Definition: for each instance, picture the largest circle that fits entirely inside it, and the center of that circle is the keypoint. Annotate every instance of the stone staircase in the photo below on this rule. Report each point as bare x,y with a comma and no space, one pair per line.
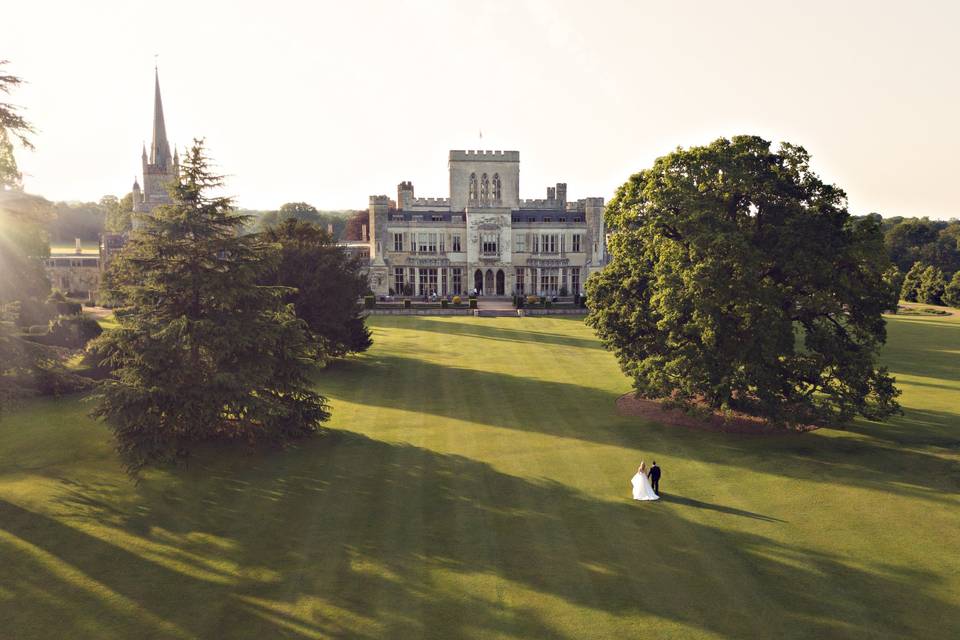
490,307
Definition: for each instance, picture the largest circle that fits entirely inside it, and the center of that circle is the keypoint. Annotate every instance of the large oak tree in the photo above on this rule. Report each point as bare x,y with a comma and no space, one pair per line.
738,279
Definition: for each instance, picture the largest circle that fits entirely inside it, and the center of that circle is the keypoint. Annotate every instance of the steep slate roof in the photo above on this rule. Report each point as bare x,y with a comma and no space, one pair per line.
159,148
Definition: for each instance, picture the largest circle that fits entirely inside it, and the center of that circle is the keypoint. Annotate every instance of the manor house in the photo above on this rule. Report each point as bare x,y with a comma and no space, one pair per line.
483,237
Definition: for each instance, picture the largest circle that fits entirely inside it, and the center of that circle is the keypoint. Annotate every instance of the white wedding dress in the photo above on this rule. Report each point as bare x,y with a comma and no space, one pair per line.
642,489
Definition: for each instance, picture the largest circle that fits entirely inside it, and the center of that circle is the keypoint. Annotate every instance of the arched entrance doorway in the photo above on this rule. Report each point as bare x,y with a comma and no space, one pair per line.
478,280
488,288
501,288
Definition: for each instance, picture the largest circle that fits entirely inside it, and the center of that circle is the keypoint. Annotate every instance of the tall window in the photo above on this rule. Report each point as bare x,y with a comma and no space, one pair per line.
431,281
548,243
520,242
473,187
412,279
536,244
549,281
443,243
575,280
497,187
484,189
431,243
576,243
443,281
457,281
489,244
456,242
422,242
423,290
398,280
398,242
521,272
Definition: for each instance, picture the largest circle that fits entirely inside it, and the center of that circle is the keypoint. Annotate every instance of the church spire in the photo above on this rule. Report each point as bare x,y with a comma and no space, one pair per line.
159,148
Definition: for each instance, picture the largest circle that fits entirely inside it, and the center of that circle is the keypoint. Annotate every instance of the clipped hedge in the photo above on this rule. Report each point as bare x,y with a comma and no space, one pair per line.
68,308
68,331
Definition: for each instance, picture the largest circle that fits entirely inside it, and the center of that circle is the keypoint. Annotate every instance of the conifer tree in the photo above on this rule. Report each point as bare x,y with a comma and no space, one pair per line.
203,352
951,294
932,285
911,282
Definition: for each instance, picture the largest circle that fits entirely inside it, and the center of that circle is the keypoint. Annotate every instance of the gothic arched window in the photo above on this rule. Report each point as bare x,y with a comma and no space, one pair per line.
473,187
484,189
497,187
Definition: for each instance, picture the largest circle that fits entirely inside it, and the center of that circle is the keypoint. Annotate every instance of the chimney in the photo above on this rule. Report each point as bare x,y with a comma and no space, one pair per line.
363,233
78,246
551,194
562,194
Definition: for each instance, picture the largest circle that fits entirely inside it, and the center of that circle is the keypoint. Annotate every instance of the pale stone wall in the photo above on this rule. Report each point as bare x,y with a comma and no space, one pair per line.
504,163
377,225
74,278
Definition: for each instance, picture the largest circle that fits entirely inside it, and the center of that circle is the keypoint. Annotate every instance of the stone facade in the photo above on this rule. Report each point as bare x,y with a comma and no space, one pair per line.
483,236
76,272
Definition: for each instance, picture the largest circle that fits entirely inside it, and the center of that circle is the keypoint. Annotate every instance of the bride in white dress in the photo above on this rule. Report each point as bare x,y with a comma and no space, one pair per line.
642,490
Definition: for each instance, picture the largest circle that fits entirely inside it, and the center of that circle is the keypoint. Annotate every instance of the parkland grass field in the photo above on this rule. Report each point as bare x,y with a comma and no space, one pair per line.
475,483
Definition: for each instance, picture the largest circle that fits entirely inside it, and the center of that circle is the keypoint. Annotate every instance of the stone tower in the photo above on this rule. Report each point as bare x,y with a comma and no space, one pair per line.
159,167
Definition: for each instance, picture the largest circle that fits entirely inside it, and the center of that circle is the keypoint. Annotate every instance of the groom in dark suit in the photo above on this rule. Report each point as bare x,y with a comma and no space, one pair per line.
654,475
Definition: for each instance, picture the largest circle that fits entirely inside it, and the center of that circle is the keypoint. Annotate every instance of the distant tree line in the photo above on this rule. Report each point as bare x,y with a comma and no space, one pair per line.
925,257
87,220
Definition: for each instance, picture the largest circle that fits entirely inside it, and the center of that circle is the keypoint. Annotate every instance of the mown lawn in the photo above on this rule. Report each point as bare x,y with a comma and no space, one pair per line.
477,485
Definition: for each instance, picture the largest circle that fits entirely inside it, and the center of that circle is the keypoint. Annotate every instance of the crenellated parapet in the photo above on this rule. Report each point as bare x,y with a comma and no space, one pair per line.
484,155
538,203
439,203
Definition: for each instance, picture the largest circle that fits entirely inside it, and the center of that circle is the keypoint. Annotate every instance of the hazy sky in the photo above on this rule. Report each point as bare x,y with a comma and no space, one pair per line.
329,102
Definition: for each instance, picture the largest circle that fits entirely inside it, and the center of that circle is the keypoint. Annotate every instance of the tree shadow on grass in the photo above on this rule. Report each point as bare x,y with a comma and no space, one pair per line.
500,333
698,504
352,537
915,428
588,413
923,348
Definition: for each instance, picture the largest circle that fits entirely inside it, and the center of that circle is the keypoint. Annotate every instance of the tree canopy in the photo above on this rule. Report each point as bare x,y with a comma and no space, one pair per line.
263,220
204,351
326,285
932,242
738,279
13,126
